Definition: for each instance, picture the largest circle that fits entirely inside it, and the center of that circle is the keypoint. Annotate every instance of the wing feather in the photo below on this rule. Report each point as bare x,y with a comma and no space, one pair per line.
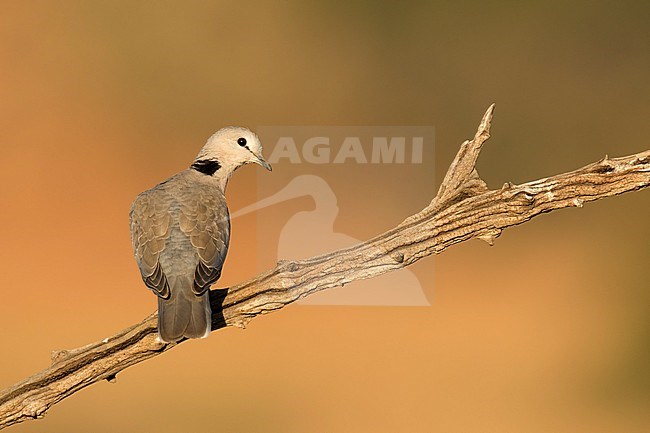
150,227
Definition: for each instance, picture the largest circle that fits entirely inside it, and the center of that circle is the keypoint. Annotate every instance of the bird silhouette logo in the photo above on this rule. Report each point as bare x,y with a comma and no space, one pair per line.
399,288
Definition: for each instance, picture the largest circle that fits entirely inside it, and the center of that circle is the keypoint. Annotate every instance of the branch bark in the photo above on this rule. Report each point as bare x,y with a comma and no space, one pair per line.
464,208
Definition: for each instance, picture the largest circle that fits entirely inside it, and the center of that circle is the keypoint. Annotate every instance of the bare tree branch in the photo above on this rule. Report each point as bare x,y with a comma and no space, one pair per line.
464,208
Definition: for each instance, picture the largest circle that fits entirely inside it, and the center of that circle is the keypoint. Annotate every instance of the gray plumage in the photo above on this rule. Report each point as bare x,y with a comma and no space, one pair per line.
180,231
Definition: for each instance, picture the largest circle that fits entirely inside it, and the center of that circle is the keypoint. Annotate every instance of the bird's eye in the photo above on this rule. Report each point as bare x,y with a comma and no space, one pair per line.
241,141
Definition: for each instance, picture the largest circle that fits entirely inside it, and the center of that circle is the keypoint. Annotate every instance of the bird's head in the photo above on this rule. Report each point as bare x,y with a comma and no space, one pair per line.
228,149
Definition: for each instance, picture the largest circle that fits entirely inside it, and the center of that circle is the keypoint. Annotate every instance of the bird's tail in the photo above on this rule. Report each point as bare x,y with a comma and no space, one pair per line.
183,314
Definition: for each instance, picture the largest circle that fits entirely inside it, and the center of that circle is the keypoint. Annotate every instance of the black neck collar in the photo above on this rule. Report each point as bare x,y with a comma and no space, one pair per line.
206,166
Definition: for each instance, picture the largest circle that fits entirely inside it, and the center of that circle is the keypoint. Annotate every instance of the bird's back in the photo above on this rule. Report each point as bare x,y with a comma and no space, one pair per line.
180,232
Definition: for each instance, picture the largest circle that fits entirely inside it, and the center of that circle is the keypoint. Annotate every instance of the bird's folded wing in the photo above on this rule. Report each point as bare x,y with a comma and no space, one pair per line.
204,219
150,226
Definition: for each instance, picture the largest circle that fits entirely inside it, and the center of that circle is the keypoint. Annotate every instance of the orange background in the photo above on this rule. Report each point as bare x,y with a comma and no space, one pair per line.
546,331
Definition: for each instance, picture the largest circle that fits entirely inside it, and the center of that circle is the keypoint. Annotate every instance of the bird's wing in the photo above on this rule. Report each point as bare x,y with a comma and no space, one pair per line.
150,227
204,219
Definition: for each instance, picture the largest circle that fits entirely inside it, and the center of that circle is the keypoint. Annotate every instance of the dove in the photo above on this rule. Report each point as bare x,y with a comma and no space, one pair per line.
180,231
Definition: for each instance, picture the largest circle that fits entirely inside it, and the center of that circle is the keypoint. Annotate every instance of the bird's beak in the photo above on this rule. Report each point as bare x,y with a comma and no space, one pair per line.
263,163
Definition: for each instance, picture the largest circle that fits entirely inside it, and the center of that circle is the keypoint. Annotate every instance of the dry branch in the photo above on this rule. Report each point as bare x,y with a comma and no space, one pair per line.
464,208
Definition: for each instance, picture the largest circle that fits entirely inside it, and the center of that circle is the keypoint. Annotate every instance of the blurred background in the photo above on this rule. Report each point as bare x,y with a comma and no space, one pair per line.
546,331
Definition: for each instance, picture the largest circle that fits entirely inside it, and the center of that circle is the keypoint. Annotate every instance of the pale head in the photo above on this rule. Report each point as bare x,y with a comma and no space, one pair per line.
228,149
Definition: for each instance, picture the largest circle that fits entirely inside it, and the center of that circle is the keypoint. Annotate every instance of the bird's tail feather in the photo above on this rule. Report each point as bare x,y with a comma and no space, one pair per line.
183,314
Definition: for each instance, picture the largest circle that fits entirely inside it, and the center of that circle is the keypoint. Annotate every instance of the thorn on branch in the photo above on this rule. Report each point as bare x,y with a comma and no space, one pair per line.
398,257
289,265
490,236
603,166
59,355
462,169
642,160
483,132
